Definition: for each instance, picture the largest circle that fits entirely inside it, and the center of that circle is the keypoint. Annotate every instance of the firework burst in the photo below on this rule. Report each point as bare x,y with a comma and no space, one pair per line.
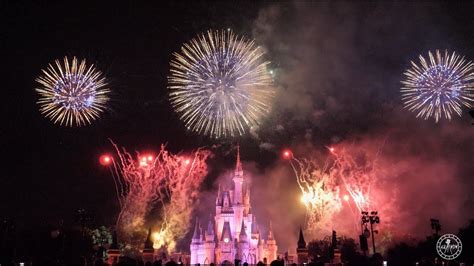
72,94
440,86
143,181
358,174
320,193
219,84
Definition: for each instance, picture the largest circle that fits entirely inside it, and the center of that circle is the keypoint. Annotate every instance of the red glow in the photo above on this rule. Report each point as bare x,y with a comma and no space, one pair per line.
105,159
287,154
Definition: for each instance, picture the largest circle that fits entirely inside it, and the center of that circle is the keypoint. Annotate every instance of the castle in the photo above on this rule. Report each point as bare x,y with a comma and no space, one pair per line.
233,234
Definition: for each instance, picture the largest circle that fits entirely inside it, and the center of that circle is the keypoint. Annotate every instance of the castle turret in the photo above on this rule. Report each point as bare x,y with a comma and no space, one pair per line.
260,249
244,245
243,235
203,235
148,250
210,235
271,245
301,250
238,197
196,234
238,180
209,244
219,197
196,245
226,203
247,199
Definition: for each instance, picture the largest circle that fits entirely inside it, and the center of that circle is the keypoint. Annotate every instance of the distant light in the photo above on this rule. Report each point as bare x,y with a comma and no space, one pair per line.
346,198
385,263
150,158
226,240
331,149
187,161
22,264
105,159
287,154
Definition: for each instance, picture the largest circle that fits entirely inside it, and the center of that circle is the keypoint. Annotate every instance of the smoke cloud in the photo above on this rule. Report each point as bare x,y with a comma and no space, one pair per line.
337,68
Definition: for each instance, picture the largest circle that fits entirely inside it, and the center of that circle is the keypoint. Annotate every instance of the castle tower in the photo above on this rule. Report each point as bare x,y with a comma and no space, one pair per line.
244,245
148,250
233,235
271,245
301,250
238,197
260,249
209,244
238,180
255,234
195,244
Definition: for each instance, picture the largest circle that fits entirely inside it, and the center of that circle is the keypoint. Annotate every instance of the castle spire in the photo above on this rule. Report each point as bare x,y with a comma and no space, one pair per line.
270,231
210,227
203,235
238,165
301,242
243,235
196,231
254,229
219,199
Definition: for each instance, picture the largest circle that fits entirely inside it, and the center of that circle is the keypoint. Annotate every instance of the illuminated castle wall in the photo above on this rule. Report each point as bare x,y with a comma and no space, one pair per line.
233,234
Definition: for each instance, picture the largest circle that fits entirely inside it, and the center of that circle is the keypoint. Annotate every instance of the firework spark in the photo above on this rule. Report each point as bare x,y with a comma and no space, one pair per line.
72,93
320,193
439,87
357,175
219,84
141,182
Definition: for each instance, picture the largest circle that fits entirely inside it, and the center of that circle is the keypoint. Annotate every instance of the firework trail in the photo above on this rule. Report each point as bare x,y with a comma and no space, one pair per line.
320,193
144,180
71,93
219,84
439,86
357,175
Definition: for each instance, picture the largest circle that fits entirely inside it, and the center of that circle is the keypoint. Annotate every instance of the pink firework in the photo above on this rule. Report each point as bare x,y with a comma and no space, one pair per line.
320,193
357,174
144,180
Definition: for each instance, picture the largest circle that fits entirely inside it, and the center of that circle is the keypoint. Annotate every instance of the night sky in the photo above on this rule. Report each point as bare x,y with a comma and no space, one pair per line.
337,66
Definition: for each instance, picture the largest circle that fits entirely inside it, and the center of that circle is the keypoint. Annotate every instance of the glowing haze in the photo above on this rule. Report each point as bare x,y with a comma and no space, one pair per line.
335,91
